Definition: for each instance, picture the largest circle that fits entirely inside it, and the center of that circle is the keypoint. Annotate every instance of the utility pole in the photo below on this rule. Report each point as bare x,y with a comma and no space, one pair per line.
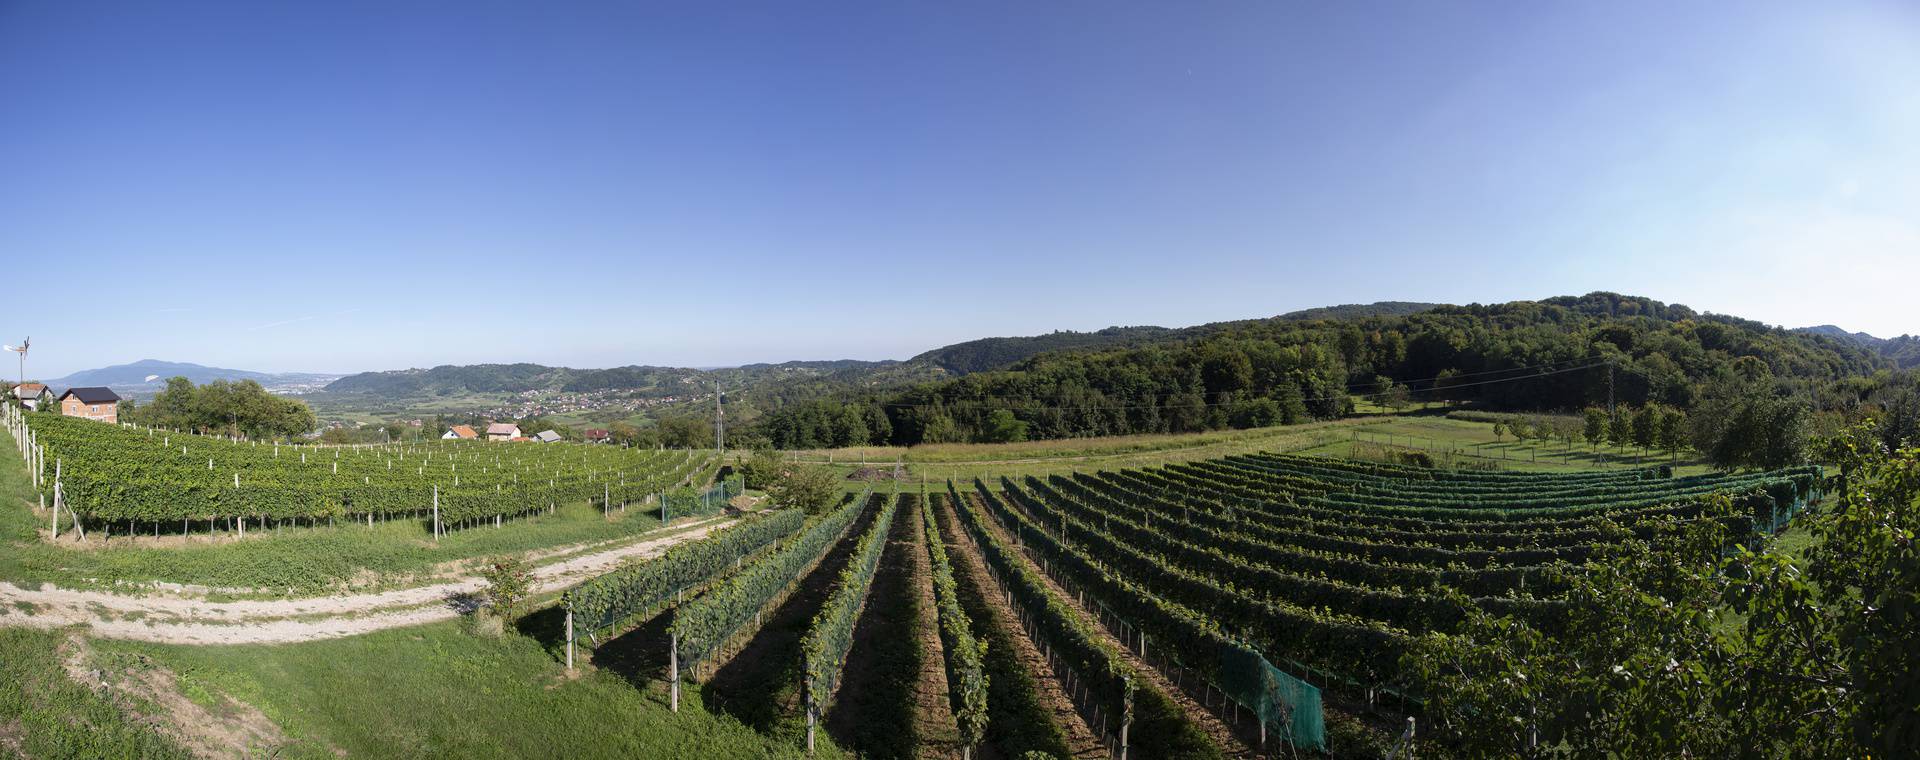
1609,389
719,419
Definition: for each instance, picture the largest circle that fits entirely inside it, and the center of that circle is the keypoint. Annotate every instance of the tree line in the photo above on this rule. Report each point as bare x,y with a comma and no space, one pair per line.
1729,378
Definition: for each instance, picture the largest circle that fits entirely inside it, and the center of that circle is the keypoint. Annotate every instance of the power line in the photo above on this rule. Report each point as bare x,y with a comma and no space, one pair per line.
1225,403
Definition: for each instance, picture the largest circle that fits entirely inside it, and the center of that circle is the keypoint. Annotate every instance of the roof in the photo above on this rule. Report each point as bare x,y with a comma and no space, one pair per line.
503,428
547,436
464,431
595,433
92,395
29,389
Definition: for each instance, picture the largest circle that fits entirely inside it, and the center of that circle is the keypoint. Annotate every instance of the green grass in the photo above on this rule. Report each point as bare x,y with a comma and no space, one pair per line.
302,559
938,462
437,691
45,714
1475,442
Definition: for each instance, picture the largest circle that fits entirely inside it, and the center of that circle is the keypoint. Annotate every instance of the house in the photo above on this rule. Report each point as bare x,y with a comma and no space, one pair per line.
33,395
460,433
503,431
596,435
92,403
547,436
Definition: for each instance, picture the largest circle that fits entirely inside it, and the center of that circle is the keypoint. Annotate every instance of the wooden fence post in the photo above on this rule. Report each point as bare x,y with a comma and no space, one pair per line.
673,667
569,641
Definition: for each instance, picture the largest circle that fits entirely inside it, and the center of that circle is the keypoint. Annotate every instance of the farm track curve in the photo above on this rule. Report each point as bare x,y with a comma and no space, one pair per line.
177,619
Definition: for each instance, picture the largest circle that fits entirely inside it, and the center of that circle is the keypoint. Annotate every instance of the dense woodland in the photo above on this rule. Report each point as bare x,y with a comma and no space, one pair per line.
1561,354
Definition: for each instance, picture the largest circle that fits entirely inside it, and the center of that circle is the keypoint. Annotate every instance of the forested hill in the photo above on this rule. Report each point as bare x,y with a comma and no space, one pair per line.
1554,354
993,353
1362,310
998,353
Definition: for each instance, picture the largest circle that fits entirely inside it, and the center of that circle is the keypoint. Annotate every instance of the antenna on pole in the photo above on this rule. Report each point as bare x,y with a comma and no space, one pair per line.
22,351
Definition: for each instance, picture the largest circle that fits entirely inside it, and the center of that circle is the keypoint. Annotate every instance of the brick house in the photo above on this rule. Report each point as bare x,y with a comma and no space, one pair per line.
92,403
502,431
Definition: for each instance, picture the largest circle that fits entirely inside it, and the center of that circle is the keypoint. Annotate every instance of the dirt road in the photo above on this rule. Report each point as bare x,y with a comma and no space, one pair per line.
185,619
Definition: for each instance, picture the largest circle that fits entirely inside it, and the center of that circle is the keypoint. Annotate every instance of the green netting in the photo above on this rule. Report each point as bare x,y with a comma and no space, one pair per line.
1287,705
687,502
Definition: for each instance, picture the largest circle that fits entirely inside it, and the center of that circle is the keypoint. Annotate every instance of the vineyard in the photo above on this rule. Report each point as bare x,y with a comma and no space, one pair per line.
1251,605
129,479
1246,606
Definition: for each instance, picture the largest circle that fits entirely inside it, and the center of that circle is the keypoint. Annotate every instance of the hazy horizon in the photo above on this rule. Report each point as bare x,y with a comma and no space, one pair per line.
364,186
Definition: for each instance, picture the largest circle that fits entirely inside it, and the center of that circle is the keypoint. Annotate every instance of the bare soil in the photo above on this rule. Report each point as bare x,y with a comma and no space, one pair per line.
885,706
760,685
1233,743
1081,738
940,734
230,729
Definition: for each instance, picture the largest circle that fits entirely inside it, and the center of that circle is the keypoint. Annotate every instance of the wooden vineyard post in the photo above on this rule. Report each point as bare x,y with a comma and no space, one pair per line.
673,668
569,641
436,514
811,719
606,500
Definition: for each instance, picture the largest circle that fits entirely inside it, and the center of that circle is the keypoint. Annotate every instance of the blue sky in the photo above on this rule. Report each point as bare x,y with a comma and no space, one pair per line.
349,186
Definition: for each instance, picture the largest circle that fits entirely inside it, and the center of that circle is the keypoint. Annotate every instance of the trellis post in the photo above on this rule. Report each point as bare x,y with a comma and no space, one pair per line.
436,514
673,668
812,717
569,641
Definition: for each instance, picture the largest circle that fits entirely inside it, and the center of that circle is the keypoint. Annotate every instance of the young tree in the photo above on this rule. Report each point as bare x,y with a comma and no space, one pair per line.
1003,427
809,488
1672,435
763,468
1620,428
1646,426
1595,427
1499,429
508,579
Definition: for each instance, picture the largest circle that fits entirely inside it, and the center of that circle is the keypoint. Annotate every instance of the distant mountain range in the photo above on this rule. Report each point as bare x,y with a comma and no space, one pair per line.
783,379
150,375
1903,351
775,383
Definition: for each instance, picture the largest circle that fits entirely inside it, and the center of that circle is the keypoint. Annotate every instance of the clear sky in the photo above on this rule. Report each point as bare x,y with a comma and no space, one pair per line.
344,186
